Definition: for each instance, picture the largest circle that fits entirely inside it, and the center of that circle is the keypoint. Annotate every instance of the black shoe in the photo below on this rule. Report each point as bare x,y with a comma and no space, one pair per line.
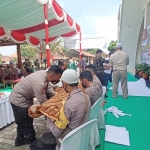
24,142
19,142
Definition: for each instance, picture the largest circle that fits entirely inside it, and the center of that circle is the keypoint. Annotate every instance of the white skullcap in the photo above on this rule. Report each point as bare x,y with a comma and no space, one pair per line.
70,76
118,45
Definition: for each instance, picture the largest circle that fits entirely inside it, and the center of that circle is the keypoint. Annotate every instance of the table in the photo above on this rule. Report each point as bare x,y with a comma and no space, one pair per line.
138,125
6,113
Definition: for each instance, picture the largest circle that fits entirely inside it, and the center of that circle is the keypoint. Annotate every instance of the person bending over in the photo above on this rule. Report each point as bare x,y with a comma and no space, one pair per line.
22,96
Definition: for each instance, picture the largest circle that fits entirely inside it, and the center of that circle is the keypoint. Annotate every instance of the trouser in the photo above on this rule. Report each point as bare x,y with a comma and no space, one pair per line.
46,142
27,70
25,129
120,76
108,77
102,78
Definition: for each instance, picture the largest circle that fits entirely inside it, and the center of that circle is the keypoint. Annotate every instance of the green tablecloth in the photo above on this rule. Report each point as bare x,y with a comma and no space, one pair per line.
138,125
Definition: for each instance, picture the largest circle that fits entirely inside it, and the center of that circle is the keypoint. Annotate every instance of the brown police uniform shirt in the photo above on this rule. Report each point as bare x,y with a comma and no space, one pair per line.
34,84
97,81
74,112
94,93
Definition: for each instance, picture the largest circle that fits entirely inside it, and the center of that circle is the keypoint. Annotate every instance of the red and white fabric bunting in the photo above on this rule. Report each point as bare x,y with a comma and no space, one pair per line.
23,20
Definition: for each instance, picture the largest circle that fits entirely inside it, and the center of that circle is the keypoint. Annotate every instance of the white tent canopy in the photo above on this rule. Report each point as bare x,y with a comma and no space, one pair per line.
24,20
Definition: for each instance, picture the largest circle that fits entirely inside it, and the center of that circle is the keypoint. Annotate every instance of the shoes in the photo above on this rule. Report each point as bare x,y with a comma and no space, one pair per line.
20,141
114,96
125,97
23,142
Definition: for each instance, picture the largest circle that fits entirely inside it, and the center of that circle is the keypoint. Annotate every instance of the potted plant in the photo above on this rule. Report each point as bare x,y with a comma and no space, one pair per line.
145,74
149,72
145,71
136,68
139,69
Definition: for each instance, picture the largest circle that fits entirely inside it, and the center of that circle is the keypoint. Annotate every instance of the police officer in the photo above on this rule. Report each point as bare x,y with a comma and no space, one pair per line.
21,99
91,89
119,61
92,69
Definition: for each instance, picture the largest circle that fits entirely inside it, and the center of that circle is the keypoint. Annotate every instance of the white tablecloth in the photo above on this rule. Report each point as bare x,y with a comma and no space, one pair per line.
138,88
6,113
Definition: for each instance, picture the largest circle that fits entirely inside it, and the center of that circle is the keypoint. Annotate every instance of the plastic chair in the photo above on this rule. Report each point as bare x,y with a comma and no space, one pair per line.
104,92
79,138
101,118
95,109
95,138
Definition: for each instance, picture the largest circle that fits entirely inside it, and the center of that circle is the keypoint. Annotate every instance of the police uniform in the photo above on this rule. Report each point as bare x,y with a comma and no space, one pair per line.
74,110
97,81
94,92
119,61
21,99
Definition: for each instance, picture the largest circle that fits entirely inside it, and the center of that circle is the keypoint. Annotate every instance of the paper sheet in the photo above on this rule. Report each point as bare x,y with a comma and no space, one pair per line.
118,135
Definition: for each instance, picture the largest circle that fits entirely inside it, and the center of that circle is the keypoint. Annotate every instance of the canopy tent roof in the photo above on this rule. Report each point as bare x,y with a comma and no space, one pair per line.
23,21
75,53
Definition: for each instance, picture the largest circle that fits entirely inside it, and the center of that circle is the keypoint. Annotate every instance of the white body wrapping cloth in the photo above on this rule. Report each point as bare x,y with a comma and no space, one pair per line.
116,112
118,135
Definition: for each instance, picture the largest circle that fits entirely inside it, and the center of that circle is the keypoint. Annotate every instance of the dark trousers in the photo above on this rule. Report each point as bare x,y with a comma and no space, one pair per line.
25,129
108,78
46,142
27,69
102,78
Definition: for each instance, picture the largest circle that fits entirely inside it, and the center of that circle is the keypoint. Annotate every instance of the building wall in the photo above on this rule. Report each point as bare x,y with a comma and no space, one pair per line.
130,36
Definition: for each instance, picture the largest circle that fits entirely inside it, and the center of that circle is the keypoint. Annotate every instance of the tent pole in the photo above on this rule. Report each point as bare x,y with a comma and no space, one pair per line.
41,48
80,46
41,52
19,56
41,55
47,35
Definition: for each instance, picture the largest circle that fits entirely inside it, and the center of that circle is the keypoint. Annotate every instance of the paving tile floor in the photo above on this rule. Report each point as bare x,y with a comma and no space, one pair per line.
8,134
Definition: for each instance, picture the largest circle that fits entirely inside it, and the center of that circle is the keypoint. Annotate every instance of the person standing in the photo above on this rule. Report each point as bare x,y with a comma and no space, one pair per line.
72,64
98,62
21,99
27,64
82,65
38,65
119,61
63,64
108,71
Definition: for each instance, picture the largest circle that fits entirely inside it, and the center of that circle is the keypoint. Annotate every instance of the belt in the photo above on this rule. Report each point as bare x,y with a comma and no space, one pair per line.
119,70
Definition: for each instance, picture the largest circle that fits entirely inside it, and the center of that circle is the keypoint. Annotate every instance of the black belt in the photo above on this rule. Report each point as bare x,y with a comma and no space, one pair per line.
119,70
